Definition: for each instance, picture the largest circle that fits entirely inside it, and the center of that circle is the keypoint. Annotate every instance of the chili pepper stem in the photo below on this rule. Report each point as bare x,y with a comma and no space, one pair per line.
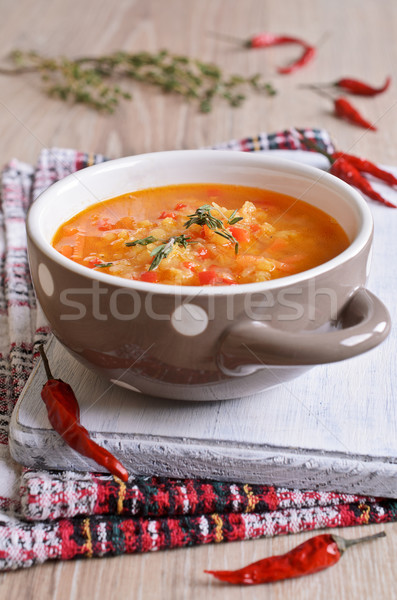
310,144
229,38
314,86
344,544
45,362
320,91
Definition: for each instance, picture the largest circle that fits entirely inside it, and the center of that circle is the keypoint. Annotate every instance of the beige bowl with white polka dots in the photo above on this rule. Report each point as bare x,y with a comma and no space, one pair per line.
206,343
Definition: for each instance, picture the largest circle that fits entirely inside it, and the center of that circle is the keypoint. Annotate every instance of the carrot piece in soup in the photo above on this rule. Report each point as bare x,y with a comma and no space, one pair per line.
67,251
104,225
149,277
125,223
241,235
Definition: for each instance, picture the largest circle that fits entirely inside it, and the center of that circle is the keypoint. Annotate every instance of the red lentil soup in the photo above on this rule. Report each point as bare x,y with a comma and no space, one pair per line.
239,235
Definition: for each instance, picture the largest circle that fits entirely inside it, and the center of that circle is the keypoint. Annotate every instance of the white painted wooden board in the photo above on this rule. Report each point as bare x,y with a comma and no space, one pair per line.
335,428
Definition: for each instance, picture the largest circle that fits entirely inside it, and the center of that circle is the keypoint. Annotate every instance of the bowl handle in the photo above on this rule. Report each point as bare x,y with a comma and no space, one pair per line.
363,324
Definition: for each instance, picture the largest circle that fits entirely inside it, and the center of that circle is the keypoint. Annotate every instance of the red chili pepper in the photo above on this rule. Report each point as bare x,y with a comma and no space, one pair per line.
316,554
267,40
64,415
365,166
309,52
359,88
345,110
344,169
348,167
352,86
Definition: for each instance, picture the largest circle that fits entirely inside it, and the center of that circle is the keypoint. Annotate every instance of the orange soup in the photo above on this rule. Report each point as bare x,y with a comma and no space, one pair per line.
201,234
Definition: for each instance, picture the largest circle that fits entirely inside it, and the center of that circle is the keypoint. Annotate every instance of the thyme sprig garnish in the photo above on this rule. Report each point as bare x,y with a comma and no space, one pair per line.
93,80
143,241
202,216
166,248
232,220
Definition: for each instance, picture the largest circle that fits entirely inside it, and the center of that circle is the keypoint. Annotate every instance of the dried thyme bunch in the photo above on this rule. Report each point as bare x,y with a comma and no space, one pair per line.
91,80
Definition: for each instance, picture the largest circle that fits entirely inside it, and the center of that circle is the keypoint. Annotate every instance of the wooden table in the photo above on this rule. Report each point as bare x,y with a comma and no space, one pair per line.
355,38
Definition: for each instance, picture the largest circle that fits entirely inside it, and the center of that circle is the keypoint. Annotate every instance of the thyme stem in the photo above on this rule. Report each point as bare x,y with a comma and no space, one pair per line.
91,80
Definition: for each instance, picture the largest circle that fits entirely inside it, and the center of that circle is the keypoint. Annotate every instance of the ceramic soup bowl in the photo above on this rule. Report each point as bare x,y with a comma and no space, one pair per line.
206,343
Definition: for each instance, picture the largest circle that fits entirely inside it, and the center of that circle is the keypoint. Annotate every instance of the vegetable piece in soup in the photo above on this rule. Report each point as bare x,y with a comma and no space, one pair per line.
201,234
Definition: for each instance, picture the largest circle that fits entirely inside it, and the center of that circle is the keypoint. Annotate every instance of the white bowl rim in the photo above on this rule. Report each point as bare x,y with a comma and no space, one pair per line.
293,167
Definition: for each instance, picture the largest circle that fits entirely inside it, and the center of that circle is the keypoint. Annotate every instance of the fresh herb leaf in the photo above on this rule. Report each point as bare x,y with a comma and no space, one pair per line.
224,234
233,219
143,241
161,252
166,248
184,240
104,265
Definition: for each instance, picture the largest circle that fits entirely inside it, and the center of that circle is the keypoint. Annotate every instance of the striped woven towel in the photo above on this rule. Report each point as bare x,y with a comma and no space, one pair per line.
52,515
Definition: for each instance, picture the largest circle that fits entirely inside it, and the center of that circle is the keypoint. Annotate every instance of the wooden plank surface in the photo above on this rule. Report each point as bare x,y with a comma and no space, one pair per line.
307,434
357,39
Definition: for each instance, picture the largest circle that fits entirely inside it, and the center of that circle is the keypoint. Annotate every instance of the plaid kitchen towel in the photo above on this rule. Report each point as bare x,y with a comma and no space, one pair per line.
62,515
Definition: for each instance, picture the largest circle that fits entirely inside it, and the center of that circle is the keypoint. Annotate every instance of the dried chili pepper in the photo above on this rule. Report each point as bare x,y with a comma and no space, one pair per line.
353,86
309,52
345,110
365,166
267,40
348,168
316,554
345,170
64,415
359,88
